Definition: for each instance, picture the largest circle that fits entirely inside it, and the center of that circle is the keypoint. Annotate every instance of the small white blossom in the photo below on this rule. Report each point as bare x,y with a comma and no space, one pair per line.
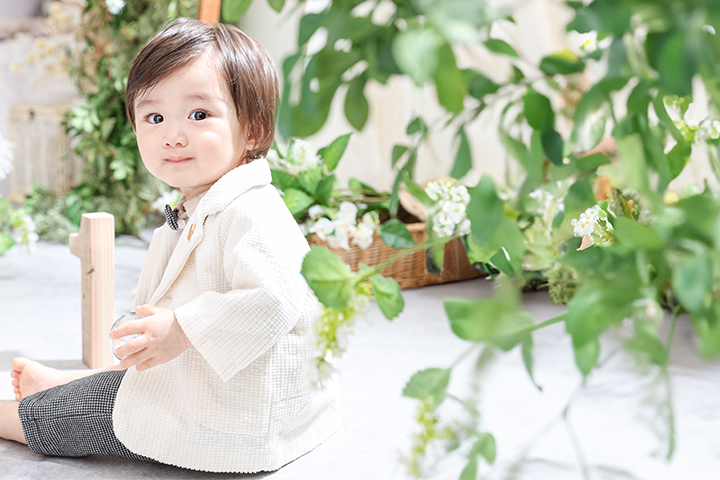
347,214
316,211
582,226
301,157
342,236
115,6
274,159
692,117
371,219
167,198
323,227
363,236
449,212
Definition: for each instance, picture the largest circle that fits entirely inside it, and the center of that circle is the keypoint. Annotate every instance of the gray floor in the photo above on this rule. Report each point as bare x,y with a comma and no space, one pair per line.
612,419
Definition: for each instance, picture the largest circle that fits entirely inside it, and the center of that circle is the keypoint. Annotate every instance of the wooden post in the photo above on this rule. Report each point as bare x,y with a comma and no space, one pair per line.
209,11
94,244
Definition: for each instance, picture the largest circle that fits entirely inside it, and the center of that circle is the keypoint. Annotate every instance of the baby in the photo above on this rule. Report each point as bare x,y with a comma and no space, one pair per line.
215,381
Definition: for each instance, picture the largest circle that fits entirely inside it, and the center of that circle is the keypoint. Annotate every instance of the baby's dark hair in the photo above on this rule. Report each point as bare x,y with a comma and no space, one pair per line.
246,66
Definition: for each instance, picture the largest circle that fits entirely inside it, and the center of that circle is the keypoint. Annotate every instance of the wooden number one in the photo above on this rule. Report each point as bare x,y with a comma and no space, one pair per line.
209,11
94,244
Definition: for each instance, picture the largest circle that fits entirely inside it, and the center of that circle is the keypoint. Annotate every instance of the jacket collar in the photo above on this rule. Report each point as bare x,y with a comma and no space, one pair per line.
233,184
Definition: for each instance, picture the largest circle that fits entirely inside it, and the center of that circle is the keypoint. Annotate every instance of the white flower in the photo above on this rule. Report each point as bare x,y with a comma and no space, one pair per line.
167,198
274,160
582,226
6,157
460,194
692,117
464,227
316,211
115,6
363,236
347,214
371,219
301,157
342,237
455,210
322,228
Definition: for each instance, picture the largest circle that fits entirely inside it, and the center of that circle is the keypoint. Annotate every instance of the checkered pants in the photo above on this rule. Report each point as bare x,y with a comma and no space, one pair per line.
75,419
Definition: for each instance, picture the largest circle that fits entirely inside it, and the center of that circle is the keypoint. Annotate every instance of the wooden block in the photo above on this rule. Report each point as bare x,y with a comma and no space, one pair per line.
94,244
209,11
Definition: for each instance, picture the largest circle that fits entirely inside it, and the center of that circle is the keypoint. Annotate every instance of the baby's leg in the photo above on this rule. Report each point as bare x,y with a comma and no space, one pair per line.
30,377
10,426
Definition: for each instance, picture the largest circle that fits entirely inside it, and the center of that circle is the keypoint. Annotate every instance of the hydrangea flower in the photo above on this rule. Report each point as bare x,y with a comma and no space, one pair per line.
448,215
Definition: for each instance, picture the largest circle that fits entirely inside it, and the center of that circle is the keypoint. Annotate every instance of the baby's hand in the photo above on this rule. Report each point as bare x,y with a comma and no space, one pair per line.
160,341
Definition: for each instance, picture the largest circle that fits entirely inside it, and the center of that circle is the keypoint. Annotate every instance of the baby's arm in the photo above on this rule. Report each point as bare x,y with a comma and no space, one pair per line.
161,339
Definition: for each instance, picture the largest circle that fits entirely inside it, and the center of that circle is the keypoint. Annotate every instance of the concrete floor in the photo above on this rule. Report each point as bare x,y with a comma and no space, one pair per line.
612,418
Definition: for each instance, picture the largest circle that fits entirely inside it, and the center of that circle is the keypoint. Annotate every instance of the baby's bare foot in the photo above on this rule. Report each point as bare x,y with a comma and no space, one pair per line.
31,377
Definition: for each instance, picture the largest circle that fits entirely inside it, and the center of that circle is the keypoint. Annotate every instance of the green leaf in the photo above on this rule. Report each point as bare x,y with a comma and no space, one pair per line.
500,46
356,105
308,26
470,470
707,331
332,154
396,235
397,152
633,235
463,158
586,355
538,110
330,278
416,125
430,382
277,5
387,295
678,157
485,446
449,82
493,320
297,201
527,345
563,62
6,242
515,147
309,180
325,190
485,210
501,260
552,144
478,84
360,188
416,53
233,10
107,127
692,282
673,59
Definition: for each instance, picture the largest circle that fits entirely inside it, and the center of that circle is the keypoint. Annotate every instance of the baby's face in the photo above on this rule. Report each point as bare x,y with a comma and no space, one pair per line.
187,128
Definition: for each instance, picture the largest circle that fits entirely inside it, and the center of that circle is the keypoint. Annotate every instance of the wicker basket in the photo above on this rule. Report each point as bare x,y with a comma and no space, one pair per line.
409,271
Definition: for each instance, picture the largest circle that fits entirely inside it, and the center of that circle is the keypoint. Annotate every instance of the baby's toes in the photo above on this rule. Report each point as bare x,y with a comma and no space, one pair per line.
14,374
16,383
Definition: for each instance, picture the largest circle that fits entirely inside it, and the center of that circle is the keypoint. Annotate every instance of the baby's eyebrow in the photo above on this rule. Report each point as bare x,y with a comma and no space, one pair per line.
146,102
201,97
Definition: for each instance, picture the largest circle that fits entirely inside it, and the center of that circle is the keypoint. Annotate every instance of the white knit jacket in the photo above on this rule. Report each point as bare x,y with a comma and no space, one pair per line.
239,401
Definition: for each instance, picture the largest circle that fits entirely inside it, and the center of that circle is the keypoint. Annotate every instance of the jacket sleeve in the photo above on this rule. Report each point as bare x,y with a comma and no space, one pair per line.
259,296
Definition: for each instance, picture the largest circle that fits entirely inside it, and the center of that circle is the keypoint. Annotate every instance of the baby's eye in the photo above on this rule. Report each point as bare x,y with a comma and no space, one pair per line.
198,115
155,118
